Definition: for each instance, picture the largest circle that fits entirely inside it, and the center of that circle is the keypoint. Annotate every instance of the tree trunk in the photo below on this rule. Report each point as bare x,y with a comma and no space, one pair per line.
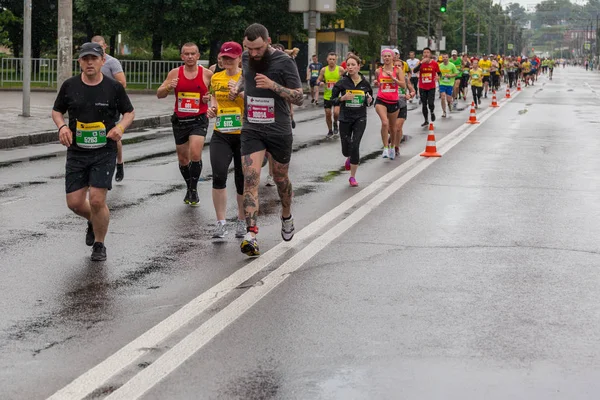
157,41
113,45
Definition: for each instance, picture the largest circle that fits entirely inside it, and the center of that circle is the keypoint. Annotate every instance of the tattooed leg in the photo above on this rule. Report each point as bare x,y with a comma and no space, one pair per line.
251,165
284,187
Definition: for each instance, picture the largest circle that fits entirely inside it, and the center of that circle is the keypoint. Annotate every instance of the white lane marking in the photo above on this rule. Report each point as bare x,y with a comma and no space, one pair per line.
168,362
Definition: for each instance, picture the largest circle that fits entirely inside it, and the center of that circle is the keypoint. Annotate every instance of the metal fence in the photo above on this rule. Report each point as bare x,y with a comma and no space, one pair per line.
145,73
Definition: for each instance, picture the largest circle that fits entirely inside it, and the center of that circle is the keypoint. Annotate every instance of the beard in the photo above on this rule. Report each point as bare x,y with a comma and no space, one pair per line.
261,65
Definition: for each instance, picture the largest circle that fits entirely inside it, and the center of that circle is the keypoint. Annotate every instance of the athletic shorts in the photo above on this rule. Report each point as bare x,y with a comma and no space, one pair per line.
328,104
464,81
183,128
486,79
90,168
391,107
403,113
313,82
446,89
279,146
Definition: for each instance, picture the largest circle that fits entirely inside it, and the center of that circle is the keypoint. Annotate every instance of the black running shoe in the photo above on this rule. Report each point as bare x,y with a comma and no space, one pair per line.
194,199
89,235
98,252
336,132
293,124
120,173
432,117
186,199
424,124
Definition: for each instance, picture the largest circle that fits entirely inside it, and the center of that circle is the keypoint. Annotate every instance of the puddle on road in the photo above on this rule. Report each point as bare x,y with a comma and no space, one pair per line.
21,185
521,112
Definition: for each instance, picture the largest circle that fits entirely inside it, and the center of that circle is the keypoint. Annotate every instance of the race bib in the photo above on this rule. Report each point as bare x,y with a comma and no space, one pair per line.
330,84
387,85
426,77
486,71
261,110
188,102
314,73
91,135
358,100
229,120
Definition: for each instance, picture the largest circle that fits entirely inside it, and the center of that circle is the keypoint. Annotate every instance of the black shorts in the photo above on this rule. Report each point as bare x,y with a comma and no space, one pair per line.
403,113
391,107
486,79
279,146
90,168
186,127
464,81
328,104
313,82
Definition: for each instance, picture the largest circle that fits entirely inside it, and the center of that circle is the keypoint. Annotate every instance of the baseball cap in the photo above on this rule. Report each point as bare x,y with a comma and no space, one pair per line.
396,51
89,48
454,52
231,50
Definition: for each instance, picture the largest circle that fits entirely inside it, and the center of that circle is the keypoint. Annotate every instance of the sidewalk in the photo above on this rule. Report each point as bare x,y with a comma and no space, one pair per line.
17,131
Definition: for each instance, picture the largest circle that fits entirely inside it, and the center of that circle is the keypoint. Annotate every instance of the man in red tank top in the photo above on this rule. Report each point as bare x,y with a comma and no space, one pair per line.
190,82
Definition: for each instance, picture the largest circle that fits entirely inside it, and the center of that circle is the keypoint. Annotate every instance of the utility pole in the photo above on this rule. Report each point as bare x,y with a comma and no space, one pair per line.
489,32
394,24
26,58
438,36
312,29
65,41
478,33
429,25
464,27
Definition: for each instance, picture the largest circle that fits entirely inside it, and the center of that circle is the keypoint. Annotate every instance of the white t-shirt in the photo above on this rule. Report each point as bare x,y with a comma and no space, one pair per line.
412,64
111,67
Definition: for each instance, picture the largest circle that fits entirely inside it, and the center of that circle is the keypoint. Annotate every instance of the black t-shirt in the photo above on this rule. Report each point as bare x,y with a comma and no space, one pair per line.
103,103
315,69
265,110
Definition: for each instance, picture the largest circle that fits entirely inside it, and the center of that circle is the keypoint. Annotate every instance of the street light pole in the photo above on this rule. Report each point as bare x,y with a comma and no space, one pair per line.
26,58
429,25
394,24
464,27
65,41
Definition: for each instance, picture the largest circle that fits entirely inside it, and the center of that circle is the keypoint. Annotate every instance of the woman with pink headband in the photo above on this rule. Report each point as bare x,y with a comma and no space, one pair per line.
388,81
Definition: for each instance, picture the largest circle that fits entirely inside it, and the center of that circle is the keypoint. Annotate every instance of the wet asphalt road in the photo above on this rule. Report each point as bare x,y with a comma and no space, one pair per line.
476,279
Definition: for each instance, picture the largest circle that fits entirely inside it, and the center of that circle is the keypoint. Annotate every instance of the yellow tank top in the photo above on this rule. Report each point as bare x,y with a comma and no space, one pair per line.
229,113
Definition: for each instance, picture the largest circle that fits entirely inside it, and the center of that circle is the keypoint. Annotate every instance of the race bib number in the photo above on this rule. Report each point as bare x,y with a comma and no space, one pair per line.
330,84
261,110
90,135
358,100
188,102
229,120
387,85
426,77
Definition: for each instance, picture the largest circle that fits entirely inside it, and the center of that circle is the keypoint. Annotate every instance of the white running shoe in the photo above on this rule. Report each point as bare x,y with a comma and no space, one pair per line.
270,181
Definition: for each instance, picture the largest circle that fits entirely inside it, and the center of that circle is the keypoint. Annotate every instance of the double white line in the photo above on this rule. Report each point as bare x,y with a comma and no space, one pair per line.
168,362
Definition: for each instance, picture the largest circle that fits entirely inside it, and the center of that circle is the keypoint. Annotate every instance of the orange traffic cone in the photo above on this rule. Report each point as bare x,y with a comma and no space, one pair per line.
431,147
472,115
519,85
494,100
507,93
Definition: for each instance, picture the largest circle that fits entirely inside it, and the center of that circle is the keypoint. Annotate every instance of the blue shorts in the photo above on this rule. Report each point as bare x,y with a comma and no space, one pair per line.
446,89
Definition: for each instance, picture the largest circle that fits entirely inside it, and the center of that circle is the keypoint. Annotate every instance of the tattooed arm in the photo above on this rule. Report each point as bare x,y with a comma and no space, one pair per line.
294,96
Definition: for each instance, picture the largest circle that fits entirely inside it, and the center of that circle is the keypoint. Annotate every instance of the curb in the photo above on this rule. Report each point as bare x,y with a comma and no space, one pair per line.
52,136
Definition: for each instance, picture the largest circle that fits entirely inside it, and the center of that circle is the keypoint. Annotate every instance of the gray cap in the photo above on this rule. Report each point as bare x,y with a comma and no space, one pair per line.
93,49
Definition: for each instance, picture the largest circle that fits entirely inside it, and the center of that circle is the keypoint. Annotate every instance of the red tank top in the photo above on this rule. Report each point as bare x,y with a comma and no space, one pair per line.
388,89
188,94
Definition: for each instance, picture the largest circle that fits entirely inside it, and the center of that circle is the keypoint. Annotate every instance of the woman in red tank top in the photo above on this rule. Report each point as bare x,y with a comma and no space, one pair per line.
386,104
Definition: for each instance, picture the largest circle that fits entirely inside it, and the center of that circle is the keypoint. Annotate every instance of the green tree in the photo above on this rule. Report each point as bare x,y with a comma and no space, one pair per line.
43,26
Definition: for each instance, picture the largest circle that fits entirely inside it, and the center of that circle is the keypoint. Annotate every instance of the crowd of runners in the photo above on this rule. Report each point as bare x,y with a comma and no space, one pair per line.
250,94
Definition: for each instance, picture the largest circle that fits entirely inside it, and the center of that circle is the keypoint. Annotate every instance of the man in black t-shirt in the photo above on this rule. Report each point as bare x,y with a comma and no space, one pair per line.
270,83
94,105
312,75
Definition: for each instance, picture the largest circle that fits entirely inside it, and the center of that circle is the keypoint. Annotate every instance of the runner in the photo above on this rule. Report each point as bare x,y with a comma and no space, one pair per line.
403,96
456,89
551,65
113,69
448,74
312,74
190,83
534,70
356,95
464,79
225,144
485,66
388,78
414,74
526,70
270,80
218,67
495,74
428,76
476,79
94,105
328,76
511,70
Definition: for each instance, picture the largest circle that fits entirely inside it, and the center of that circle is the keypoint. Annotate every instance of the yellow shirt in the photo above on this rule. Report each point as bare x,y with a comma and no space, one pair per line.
229,113
476,77
526,67
485,66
